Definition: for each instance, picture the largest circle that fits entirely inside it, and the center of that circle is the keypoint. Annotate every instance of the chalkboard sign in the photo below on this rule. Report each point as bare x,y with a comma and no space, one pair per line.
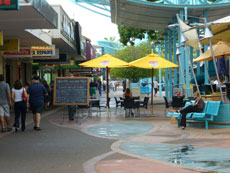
71,91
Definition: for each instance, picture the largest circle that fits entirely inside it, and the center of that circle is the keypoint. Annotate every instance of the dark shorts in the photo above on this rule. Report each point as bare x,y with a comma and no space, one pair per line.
36,108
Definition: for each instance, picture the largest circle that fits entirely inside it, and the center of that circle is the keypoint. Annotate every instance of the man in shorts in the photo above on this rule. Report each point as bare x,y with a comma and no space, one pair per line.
5,102
36,93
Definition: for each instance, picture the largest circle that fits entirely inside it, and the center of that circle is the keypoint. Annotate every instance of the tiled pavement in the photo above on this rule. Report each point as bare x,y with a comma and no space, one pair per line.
123,159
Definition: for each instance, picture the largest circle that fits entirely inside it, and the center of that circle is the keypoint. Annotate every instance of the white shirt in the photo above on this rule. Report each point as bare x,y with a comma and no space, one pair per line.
155,84
17,94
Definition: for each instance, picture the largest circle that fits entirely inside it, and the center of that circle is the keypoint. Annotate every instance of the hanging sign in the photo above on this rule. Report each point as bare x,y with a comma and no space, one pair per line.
9,4
39,51
10,45
22,53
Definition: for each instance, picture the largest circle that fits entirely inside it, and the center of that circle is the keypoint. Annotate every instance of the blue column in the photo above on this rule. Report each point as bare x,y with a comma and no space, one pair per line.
175,57
170,59
160,84
206,82
166,70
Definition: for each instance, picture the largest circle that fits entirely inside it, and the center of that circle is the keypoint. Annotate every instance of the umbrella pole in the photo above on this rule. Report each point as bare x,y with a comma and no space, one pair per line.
217,75
152,89
107,91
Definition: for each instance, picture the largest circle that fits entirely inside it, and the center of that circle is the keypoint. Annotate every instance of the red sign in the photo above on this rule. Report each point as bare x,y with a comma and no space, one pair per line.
5,2
9,4
24,52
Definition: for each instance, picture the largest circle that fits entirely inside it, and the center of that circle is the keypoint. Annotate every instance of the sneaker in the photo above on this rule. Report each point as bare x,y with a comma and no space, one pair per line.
38,129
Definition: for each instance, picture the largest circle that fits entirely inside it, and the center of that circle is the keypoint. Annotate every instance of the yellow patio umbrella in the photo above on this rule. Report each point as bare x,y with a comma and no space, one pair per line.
152,61
105,61
221,49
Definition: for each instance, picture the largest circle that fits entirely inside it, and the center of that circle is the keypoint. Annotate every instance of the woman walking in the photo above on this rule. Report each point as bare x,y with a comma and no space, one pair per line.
19,104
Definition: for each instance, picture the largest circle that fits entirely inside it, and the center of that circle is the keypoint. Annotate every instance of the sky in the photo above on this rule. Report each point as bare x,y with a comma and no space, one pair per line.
94,26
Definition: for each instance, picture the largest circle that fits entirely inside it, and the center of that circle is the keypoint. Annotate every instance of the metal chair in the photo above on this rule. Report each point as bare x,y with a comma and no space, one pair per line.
118,102
128,105
144,104
96,104
177,102
167,105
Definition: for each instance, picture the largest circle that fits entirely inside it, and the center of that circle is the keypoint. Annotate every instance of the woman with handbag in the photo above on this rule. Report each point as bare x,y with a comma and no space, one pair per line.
19,96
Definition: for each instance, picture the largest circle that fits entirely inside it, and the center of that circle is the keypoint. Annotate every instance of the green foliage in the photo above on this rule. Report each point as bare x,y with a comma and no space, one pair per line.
129,34
112,39
131,53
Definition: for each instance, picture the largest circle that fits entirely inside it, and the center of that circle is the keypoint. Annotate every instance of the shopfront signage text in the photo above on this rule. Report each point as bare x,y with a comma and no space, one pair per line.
23,53
9,4
43,51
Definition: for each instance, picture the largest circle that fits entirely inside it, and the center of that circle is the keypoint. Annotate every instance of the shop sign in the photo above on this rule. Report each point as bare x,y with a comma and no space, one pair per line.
22,53
56,56
9,4
1,38
40,51
68,28
10,45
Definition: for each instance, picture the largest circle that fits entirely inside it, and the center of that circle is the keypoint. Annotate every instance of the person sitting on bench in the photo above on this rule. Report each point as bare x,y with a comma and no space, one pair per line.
198,106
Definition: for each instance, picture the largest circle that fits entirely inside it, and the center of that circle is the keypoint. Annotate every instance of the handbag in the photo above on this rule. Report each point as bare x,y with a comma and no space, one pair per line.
24,97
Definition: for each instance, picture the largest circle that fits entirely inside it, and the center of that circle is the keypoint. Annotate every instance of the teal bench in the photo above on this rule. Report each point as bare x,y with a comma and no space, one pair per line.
210,110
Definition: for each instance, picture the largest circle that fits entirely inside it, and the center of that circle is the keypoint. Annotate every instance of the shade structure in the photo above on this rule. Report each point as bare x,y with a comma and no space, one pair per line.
105,61
152,61
220,30
221,49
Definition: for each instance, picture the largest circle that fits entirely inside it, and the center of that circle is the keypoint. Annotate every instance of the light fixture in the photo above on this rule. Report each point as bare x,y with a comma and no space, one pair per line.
207,33
178,52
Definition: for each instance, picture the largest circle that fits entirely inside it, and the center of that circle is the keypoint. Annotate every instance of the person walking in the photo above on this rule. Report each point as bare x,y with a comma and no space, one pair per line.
5,102
47,97
155,86
20,107
99,86
36,93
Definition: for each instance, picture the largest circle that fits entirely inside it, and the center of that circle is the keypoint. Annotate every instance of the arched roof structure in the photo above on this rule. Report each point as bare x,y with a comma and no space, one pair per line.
149,15
97,6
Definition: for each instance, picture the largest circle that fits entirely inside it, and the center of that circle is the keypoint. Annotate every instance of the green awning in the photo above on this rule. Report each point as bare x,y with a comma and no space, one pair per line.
61,67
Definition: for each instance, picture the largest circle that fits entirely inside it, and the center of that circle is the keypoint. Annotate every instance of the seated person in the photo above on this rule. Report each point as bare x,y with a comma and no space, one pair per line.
127,93
127,96
198,106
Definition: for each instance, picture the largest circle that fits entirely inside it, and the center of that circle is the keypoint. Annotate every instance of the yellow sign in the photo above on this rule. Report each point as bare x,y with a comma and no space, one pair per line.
43,51
10,45
1,38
